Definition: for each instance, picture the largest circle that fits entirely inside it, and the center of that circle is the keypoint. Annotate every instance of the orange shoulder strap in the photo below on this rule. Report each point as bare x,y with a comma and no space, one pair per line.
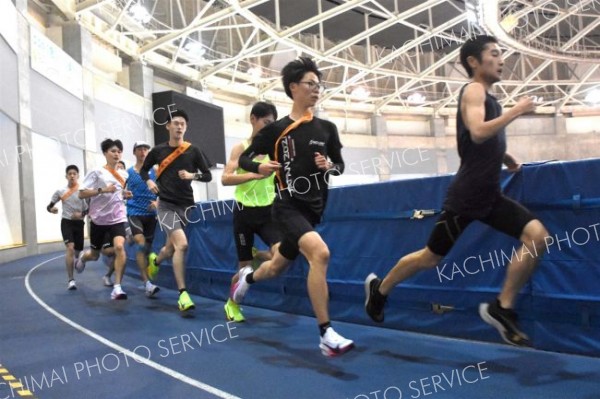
172,156
116,175
307,117
66,195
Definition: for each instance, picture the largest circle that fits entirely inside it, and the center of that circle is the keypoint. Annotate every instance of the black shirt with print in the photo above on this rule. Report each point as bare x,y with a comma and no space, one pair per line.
299,176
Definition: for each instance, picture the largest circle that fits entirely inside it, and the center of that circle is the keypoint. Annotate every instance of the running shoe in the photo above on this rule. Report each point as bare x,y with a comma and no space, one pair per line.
375,301
71,285
151,289
107,281
239,289
118,293
233,312
79,263
152,268
185,302
333,344
505,321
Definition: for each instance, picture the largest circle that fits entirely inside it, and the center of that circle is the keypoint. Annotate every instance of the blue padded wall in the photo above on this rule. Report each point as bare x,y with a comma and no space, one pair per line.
368,228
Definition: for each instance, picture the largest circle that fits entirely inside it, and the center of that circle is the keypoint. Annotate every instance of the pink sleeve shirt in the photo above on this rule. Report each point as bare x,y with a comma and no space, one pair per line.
107,208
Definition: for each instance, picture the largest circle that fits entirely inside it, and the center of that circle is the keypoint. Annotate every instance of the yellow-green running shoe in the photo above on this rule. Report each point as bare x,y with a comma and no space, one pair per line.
233,312
152,268
185,302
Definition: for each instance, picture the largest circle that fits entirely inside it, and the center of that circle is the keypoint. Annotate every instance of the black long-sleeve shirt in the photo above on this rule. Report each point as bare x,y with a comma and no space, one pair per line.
171,187
299,176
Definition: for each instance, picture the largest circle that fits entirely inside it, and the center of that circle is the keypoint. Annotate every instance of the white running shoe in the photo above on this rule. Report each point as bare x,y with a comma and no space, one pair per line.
239,289
333,344
79,263
107,281
71,285
151,289
118,293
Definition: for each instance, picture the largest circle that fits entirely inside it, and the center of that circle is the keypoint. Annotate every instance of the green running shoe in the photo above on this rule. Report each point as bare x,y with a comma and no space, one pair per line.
152,268
233,312
185,302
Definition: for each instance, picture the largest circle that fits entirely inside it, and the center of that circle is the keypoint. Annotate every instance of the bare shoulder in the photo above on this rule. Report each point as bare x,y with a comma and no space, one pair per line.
474,91
238,149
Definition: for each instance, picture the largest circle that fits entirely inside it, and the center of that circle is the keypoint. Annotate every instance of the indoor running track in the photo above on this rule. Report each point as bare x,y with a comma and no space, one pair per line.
79,344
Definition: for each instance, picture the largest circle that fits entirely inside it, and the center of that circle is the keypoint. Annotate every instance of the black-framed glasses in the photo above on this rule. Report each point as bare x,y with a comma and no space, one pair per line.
313,85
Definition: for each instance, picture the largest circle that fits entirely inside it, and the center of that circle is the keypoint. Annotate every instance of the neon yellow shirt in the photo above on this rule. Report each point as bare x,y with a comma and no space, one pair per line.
255,193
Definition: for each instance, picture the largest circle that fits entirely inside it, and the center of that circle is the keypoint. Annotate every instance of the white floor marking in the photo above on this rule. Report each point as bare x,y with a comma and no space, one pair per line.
170,372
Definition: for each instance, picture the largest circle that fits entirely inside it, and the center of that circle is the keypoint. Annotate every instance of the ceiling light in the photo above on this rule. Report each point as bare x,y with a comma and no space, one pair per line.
509,23
360,93
472,16
416,98
139,13
593,97
255,72
472,11
194,49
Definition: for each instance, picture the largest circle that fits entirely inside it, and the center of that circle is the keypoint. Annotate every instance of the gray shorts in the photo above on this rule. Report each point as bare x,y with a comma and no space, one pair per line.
173,217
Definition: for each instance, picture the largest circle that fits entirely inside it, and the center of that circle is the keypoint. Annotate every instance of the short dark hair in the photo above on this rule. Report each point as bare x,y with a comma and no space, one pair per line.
262,109
71,167
294,71
474,46
177,112
109,143
123,163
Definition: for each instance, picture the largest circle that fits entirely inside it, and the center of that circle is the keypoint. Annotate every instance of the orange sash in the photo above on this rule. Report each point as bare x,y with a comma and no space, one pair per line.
307,117
116,175
66,195
172,156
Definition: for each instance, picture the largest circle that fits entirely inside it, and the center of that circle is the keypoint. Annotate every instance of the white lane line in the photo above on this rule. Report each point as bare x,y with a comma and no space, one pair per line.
171,373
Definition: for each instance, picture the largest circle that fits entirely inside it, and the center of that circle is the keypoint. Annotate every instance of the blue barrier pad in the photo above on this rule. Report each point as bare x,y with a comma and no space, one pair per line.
369,227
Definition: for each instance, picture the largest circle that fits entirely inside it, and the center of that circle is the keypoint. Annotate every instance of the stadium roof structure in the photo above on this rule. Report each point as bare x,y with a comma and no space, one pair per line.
377,56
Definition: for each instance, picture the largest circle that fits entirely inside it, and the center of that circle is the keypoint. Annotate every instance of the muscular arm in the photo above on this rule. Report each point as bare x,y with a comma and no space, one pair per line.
509,160
511,163
473,113
230,178
263,143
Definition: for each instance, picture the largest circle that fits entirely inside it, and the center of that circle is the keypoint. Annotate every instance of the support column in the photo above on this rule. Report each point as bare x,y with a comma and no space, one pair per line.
379,129
77,42
141,82
560,125
24,139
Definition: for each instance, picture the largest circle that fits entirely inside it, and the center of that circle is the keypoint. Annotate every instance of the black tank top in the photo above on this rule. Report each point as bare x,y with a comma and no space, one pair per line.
476,185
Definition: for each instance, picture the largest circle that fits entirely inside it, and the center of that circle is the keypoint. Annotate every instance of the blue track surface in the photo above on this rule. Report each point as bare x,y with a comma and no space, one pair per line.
273,355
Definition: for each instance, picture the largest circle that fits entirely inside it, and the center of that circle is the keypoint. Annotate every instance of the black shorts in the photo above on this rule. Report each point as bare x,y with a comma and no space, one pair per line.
108,240
100,235
72,231
295,218
145,225
506,216
248,221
